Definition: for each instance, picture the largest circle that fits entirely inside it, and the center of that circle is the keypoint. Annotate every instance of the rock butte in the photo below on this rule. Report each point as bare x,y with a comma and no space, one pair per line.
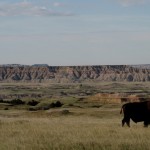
71,74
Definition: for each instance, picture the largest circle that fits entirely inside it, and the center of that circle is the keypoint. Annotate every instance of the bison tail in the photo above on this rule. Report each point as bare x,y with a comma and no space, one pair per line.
121,110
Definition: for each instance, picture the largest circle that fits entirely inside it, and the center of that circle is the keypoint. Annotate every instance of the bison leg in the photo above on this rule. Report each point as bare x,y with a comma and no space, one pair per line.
145,123
127,121
123,122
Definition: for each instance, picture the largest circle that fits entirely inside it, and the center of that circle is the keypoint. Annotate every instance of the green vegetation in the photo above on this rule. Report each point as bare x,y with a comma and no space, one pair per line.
88,117
77,94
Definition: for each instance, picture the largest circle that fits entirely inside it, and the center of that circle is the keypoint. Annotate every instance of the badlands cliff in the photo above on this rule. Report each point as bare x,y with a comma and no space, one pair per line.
65,74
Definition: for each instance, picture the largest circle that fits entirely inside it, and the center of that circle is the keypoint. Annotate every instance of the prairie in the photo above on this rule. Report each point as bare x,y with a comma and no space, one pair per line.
92,128
84,121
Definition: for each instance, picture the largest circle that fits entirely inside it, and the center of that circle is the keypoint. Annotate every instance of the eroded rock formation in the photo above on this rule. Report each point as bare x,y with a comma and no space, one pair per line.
57,74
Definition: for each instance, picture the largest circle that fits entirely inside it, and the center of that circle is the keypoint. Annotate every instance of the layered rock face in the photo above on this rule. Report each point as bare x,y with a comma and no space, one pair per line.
60,74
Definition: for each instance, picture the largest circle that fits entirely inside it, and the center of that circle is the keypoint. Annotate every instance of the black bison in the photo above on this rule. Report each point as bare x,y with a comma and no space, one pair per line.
137,111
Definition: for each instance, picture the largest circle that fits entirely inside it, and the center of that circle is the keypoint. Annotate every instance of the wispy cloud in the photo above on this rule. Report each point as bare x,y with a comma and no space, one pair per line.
127,3
58,4
28,8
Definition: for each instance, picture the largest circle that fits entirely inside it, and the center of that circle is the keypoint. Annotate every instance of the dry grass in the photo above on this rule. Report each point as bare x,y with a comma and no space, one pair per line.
41,130
95,125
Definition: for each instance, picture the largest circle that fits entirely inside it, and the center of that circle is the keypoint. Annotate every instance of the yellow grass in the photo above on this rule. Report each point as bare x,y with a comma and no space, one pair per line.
44,131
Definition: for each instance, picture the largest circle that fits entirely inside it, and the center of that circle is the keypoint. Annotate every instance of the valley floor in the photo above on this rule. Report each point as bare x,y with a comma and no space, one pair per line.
80,129
88,119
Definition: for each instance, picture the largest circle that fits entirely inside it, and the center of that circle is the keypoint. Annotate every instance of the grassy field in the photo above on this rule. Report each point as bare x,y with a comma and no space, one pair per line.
82,123
79,129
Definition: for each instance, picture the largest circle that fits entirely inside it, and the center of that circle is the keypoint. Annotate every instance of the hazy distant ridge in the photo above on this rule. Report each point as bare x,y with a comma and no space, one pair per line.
64,74
143,66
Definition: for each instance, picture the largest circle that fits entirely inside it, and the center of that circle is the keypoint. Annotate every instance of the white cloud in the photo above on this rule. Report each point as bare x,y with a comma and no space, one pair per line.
27,8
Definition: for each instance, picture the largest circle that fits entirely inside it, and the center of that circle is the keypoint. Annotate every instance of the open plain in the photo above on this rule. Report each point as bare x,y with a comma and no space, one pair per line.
70,116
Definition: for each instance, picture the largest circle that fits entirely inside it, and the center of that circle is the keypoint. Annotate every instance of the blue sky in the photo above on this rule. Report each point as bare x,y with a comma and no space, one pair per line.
75,32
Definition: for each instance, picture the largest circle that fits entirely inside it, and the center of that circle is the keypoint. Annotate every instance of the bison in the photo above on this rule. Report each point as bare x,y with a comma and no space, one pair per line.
137,111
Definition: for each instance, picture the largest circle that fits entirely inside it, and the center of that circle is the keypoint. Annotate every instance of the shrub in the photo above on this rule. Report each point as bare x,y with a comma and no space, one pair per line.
52,105
1,101
16,102
32,103
47,106
58,104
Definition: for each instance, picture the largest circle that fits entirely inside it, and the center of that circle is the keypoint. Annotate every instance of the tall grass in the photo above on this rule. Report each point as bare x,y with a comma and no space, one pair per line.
71,133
